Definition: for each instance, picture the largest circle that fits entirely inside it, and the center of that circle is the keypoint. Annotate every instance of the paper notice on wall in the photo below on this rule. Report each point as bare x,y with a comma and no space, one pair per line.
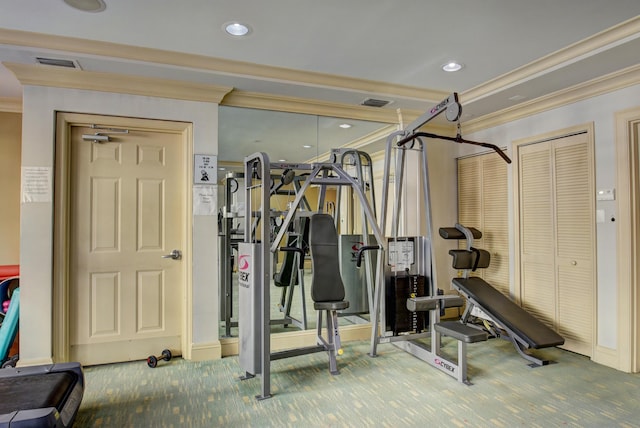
205,200
37,184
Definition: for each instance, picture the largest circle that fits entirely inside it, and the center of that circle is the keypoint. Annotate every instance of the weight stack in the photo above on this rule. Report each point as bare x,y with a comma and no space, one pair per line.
399,318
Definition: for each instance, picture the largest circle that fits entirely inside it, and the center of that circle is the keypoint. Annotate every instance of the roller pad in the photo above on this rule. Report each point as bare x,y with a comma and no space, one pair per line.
453,233
429,303
468,259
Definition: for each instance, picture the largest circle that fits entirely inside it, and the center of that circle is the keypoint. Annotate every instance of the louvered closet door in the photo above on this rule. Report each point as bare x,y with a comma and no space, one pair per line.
537,259
482,203
557,237
575,241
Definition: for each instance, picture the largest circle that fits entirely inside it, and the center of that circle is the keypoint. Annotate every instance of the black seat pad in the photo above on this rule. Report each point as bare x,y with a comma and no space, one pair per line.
508,314
331,306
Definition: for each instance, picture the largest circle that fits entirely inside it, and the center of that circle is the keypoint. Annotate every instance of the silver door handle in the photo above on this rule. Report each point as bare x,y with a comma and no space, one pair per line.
175,255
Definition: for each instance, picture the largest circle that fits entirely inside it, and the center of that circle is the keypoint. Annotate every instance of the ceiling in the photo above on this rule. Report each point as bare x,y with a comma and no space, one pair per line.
513,51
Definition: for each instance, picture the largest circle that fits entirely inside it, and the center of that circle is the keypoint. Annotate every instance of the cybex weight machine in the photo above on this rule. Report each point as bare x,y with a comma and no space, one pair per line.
407,310
254,263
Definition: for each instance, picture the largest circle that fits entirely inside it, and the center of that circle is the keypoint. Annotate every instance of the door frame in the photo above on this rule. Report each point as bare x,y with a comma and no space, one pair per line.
628,238
62,228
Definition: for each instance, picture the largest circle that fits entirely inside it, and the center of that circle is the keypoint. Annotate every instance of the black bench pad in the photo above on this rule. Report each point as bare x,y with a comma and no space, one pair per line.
461,332
508,314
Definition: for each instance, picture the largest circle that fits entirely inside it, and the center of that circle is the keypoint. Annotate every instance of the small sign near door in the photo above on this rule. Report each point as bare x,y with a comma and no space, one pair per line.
205,169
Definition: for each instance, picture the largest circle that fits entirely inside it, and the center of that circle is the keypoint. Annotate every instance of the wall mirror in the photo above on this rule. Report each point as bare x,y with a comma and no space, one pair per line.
292,138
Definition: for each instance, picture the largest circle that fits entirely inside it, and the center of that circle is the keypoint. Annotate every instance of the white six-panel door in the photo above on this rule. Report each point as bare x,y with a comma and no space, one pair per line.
126,213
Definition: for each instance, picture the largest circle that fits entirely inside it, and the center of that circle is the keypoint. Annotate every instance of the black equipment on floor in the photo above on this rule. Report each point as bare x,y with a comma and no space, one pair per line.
40,396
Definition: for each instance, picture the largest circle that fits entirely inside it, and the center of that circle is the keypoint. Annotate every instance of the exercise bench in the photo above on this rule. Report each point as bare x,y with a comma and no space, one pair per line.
514,323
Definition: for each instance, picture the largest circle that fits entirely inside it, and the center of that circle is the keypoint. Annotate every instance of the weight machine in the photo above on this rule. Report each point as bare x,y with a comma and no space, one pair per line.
410,271
254,264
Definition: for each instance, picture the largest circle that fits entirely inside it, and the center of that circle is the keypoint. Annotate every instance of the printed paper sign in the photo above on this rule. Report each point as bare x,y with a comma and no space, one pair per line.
37,184
205,200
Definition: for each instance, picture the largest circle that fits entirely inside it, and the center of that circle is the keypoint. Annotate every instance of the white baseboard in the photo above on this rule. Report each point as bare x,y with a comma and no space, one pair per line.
607,357
206,351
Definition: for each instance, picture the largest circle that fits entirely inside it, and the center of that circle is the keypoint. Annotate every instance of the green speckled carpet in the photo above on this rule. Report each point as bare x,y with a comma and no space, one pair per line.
392,390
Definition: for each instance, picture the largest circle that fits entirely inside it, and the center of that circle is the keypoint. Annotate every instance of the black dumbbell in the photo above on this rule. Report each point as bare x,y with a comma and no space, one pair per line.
152,360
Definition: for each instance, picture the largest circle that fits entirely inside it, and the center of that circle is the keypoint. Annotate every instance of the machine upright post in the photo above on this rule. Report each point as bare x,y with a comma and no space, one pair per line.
252,163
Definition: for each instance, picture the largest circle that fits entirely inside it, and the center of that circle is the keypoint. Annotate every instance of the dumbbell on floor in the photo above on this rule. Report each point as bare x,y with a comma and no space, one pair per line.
152,360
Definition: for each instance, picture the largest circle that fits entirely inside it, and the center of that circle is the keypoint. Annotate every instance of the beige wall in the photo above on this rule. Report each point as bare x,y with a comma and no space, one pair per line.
10,146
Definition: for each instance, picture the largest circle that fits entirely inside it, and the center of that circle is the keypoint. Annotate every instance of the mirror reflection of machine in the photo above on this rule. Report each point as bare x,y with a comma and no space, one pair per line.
351,221
286,180
231,232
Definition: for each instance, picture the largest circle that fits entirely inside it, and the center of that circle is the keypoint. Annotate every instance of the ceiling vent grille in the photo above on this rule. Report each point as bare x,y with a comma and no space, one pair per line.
58,62
372,102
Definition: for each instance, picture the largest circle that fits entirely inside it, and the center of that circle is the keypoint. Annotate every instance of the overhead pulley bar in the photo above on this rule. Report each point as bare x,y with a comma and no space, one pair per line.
458,139
453,110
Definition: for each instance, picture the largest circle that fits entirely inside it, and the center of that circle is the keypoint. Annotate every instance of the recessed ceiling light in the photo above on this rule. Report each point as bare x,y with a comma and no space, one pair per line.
87,5
236,29
222,168
452,66
307,146
345,125
282,160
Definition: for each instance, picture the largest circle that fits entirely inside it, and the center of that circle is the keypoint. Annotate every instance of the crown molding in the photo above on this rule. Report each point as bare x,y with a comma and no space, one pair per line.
576,51
10,105
213,65
42,75
612,82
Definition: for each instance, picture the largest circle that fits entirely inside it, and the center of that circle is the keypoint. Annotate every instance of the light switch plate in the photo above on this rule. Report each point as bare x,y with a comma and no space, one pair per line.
606,195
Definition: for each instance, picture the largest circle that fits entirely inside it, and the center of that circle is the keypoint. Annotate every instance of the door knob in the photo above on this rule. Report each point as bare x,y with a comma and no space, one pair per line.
175,255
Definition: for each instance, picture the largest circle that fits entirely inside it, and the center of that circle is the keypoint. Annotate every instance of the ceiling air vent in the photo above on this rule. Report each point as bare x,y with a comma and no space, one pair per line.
58,62
372,102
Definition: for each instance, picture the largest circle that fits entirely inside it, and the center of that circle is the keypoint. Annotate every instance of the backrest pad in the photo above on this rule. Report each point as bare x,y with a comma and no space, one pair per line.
326,283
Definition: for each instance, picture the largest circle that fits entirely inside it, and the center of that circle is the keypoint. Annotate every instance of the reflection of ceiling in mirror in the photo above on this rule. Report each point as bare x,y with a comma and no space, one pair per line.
244,131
